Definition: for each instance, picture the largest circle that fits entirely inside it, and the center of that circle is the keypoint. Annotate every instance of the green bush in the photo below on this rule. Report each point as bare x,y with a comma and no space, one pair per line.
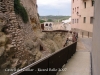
42,21
49,20
20,10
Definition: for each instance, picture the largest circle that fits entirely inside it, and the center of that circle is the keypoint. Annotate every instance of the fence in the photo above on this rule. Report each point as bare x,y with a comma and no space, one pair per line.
50,64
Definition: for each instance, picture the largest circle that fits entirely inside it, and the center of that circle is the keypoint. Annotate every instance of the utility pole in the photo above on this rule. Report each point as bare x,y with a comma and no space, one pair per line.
58,15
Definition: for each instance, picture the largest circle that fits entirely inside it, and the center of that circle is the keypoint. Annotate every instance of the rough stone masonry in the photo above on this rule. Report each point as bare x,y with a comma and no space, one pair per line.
12,45
20,42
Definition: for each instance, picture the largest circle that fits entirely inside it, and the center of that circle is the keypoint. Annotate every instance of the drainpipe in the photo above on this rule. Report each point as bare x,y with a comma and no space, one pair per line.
82,34
88,34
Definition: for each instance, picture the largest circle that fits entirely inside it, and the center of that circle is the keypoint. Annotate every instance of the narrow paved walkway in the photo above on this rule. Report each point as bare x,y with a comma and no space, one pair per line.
84,44
80,63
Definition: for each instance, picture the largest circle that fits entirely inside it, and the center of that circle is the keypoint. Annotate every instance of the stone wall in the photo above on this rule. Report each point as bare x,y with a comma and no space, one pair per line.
20,42
17,44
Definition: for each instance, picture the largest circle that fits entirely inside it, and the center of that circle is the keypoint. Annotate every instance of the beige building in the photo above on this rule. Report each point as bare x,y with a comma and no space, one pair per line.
48,25
88,13
82,16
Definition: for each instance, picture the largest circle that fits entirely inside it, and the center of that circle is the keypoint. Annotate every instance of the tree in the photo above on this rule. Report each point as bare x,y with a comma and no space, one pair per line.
20,10
49,20
42,21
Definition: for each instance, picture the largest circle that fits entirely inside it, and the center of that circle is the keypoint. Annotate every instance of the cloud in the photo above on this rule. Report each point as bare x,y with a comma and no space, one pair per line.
53,3
54,7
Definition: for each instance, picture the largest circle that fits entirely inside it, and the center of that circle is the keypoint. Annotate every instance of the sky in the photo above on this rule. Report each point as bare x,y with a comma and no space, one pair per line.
54,7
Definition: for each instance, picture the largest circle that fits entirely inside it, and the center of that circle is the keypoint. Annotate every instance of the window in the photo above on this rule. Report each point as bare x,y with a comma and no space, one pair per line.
84,4
73,21
92,2
84,20
73,10
91,20
77,8
50,24
77,20
46,25
77,13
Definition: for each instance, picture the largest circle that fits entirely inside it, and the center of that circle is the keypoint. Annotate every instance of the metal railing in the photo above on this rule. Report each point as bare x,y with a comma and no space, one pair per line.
51,64
56,31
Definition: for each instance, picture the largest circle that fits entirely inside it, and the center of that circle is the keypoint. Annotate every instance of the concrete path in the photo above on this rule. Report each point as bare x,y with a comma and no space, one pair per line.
84,44
80,63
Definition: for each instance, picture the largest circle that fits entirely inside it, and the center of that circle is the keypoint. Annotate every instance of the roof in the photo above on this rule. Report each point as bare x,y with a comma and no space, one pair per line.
66,21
